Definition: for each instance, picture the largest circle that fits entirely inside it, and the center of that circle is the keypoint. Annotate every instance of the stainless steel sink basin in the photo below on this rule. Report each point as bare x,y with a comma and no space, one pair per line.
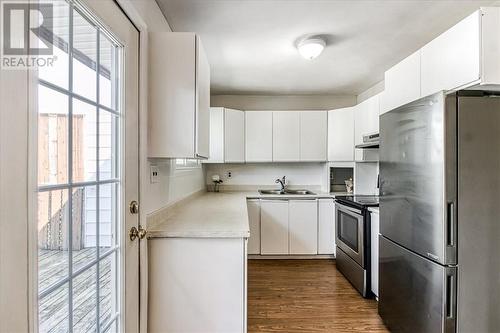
289,192
271,192
299,192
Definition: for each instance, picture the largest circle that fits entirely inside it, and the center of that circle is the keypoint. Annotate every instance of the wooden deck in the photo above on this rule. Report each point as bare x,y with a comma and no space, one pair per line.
54,308
306,296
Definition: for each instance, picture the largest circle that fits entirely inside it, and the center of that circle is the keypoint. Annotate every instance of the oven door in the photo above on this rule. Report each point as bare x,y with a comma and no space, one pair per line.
349,235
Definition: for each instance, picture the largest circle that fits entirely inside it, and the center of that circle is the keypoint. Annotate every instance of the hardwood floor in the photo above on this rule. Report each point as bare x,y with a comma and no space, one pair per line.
306,296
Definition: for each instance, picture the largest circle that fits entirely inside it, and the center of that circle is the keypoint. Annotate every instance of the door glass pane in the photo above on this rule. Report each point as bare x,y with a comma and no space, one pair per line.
53,221
107,72
107,216
53,311
84,57
78,214
348,232
107,145
52,137
107,288
84,301
84,141
59,37
84,226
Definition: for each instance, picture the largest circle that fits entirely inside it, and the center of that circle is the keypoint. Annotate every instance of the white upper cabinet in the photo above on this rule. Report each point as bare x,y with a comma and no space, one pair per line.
258,136
341,135
303,226
216,136
402,83
452,59
366,121
313,136
179,96
234,136
286,136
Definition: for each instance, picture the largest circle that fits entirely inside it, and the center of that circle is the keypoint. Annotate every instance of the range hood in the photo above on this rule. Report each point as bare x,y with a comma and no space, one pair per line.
370,141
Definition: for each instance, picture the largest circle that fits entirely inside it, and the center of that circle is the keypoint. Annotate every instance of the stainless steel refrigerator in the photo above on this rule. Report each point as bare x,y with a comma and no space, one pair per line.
440,214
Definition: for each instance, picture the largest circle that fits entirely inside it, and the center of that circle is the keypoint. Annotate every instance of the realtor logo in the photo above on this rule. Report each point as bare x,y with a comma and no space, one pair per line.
23,27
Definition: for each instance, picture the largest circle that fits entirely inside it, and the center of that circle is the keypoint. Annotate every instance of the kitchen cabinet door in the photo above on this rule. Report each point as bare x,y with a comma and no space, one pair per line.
326,226
366,121
202,128
402,83
253,207
452,59
313,136
216,136
258,136
179,96
303,226
374,251
341,135
234,136
286,136
274,226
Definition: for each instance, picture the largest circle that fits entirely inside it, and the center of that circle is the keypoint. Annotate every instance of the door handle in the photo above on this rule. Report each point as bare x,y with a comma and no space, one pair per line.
135,233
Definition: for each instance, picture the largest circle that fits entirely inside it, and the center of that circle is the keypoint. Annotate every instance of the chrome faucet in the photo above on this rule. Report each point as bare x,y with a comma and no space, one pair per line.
282,182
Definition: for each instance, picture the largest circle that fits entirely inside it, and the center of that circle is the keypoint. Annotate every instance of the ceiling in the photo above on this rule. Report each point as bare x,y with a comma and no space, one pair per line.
251,43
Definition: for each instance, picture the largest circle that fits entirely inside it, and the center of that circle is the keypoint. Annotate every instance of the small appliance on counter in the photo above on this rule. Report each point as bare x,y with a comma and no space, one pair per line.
352,222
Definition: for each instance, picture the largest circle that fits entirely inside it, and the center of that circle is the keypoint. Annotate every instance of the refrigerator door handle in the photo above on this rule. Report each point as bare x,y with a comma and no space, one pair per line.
450,224
450,299
450,306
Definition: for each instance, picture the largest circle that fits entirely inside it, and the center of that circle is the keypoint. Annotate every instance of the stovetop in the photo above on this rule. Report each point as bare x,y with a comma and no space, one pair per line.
360,201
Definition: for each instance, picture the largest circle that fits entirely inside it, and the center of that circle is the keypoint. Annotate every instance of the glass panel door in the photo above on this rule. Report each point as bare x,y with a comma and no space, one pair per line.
79,176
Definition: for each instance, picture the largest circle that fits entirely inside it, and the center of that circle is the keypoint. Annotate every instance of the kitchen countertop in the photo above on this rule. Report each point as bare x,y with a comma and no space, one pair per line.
215,215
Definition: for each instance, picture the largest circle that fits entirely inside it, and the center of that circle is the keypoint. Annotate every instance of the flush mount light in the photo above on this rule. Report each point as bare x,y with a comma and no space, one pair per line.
311,48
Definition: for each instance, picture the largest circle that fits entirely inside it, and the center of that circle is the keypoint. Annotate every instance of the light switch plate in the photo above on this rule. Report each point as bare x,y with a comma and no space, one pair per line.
154,174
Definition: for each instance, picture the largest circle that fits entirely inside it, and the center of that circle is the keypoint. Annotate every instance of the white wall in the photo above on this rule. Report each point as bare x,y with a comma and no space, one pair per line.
283,102
297,174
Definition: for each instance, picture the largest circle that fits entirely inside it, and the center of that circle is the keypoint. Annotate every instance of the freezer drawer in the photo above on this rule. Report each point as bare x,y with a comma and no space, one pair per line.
415,294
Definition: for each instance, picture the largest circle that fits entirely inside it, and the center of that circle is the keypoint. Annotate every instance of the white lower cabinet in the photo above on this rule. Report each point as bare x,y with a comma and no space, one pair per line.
197,285
303,226
374,251
274,226
326,226
253,207
286,226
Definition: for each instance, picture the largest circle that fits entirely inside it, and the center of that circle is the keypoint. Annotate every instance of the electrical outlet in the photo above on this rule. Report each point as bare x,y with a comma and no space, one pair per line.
154,174
229,174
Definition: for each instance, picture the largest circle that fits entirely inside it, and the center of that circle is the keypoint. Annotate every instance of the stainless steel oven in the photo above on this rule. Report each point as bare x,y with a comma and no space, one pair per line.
350,233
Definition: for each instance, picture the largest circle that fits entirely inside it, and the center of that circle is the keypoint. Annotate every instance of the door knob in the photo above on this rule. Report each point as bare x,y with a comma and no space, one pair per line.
134,207
135,233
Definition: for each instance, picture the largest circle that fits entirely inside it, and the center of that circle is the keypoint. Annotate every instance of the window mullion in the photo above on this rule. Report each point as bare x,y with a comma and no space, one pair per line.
70,166
98,233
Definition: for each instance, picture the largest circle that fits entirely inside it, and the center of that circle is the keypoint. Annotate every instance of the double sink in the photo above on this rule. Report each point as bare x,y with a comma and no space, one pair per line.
287,192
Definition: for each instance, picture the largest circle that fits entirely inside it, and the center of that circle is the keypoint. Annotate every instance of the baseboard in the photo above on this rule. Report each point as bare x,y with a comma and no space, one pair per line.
309,256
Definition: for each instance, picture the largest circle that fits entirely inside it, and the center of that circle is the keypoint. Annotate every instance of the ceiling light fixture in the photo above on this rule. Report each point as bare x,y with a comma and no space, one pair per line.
311,48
